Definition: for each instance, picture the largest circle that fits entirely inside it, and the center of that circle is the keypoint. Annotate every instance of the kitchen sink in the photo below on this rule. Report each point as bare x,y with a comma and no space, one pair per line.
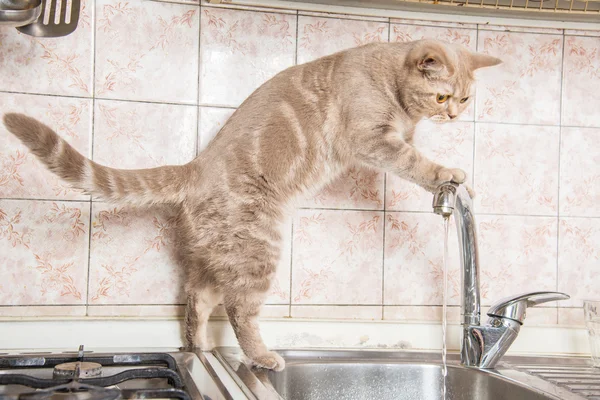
411,375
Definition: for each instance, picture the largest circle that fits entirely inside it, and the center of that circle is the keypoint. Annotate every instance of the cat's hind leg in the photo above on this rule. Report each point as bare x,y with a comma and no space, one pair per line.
200,303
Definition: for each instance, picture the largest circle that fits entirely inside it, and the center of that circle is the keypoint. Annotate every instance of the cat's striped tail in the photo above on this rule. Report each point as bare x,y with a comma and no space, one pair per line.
166,184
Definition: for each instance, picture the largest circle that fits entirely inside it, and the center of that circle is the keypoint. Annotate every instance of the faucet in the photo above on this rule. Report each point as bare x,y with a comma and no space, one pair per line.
482,346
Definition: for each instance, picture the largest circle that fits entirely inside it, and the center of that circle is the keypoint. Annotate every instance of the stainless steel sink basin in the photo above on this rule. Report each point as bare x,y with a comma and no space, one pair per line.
406,375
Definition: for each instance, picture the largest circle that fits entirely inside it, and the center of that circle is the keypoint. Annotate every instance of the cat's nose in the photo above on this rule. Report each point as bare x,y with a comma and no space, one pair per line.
452,116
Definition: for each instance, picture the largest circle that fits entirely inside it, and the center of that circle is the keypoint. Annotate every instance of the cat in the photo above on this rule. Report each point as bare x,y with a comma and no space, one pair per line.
293,135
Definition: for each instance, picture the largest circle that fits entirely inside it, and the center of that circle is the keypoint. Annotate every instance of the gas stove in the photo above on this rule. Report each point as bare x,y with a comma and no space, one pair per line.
99,376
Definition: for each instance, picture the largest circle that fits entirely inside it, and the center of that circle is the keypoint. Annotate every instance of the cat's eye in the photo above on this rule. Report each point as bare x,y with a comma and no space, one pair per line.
464,99
442,98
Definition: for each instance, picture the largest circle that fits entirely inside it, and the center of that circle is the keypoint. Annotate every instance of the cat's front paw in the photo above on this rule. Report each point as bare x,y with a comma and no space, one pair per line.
455,175
269,360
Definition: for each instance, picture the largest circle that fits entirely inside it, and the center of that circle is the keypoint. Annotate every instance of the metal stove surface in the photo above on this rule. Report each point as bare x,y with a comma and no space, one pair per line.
121,376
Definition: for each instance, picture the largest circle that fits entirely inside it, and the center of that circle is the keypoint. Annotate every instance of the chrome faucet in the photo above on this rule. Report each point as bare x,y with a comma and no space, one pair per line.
482,346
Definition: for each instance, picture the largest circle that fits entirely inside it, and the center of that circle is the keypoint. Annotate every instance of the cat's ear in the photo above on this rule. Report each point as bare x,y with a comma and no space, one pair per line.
479,60
433,61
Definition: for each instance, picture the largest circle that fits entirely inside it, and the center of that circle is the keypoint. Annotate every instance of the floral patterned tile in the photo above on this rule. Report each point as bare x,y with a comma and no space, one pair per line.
131,257
517,255
44,252
211,121
407,32
581,81
580,172
338,312
143,135
21,174
318,37
42,311
60,66
510,178
147,51
578,260
334,251
571,317
450,145
165,311
465,37
414,260
526,87
240,50
420,313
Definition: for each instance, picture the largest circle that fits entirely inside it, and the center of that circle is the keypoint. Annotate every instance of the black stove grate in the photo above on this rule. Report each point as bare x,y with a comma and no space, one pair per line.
147,366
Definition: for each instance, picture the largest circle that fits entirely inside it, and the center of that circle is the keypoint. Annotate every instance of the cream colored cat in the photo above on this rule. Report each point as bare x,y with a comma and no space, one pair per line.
294,134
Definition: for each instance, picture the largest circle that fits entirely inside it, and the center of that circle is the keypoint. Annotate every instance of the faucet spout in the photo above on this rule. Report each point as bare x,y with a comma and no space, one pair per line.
444,199
453,199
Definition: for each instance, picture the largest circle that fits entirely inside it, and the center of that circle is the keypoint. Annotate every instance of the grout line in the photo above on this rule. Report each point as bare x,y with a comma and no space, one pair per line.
292,224
91,155
521,32
183,3
169,103
443,25
562,73
383,250
198,133
335,209
217,106
296,41
344,17
69,96
491,122
6,306
291,267
93,97
42,199
475,122
251,8
340,209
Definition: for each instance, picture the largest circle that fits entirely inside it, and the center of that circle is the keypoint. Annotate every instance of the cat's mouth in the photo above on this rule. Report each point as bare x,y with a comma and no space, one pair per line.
439,119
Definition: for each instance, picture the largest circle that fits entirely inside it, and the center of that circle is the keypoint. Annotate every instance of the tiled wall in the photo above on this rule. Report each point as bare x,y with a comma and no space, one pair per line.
141,84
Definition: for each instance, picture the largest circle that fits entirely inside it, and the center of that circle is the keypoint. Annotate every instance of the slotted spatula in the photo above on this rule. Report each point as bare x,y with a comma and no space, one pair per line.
58,18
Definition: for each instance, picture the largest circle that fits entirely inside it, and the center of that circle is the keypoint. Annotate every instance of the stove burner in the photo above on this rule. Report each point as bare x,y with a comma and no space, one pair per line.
86,370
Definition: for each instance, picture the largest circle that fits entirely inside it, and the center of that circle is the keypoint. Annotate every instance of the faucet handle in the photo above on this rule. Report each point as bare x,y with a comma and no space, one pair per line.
514,307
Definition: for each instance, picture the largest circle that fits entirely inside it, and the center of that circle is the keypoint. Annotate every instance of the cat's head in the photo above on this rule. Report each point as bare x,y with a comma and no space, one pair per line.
440,80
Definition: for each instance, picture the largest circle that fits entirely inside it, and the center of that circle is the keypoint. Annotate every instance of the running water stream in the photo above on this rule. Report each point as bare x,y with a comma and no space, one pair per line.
444,308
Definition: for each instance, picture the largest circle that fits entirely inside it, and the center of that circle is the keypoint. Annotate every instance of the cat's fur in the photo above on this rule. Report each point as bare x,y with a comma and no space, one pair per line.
294,134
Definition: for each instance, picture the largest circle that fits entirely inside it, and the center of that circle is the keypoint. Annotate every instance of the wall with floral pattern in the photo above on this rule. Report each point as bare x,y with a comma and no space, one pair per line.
140,84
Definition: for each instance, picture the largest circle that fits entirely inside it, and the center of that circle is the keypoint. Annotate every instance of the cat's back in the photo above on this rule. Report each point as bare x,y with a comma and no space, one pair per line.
290,123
